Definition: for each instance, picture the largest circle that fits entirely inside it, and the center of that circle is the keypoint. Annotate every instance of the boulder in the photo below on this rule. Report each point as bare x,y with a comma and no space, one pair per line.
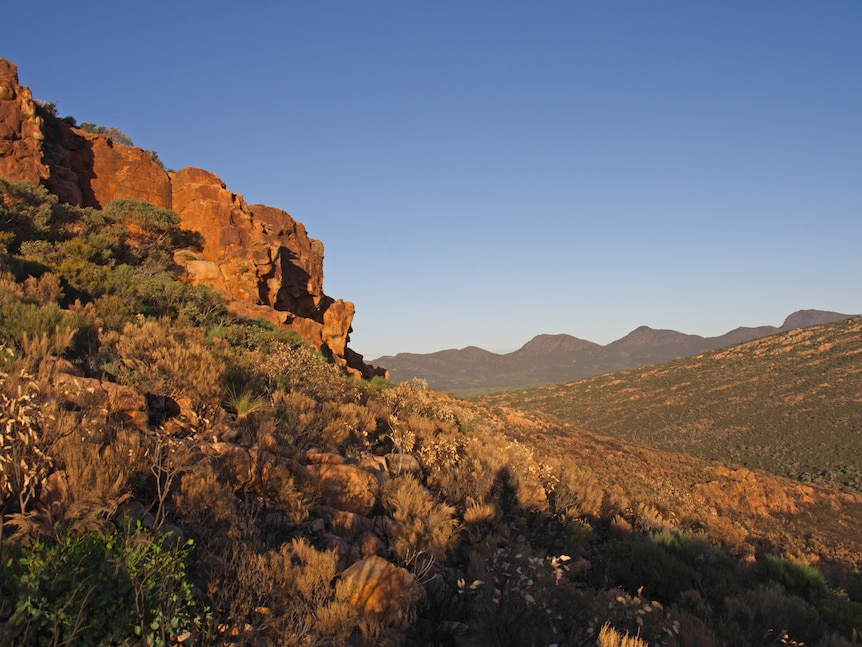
345,487
376,466
345,524
374,586
122,403
403,464
236,461
318,458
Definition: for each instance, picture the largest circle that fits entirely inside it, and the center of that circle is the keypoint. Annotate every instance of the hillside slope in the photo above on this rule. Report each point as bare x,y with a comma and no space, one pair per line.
790,403
552,359
172,472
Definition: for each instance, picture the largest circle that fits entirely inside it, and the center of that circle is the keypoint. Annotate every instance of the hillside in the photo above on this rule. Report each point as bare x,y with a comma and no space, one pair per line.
175,470
789,403
258,258
553,359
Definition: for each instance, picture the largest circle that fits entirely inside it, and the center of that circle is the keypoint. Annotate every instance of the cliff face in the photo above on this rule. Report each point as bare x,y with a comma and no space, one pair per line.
21,138
259,258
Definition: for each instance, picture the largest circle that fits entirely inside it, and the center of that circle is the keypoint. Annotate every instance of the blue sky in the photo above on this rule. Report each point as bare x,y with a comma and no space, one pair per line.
482,172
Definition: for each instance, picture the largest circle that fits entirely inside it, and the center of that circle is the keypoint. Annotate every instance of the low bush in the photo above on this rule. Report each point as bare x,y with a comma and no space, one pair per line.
421,529
165,360
204,500
290,596
96,588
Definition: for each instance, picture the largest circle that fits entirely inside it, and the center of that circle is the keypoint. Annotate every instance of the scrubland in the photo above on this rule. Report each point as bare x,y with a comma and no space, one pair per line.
170,473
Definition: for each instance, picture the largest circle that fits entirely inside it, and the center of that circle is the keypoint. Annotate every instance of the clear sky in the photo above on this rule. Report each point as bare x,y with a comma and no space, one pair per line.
481,172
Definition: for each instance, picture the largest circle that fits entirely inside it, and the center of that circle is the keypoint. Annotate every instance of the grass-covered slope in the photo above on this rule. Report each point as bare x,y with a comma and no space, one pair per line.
172,474
790,403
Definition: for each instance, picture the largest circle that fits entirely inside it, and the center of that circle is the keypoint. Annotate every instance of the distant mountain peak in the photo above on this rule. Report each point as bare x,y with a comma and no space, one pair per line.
803,318
556,344
644,335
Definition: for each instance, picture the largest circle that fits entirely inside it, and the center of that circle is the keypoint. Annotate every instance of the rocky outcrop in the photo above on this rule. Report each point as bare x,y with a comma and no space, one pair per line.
21,150
262,260
100,170
345,487
258,258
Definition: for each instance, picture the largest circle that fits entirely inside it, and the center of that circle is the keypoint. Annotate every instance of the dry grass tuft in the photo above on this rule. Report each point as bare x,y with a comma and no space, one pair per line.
421,529
610,637
205,500
294,586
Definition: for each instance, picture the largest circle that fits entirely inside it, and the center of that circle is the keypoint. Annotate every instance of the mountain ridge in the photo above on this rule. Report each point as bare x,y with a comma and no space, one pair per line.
549,358
786,403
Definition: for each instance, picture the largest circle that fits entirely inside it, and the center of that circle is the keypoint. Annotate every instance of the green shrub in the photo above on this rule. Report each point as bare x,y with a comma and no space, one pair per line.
802,579
96,589
27,318
768,608
114,133
26,210
842,614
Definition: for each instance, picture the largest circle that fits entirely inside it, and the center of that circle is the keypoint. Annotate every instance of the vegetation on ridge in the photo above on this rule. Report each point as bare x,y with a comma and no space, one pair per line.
173,474
789,403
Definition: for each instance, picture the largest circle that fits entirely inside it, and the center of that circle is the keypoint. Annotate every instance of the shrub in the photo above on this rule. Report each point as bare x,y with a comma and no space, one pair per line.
150,232
163,360
299,415
112,132
515,596
293,585
44,290
25,446
97,589
257,334
302,369
204,500
842,614
420,528
344,422
770,608
802,579
159,294
97,465
27,210
34,321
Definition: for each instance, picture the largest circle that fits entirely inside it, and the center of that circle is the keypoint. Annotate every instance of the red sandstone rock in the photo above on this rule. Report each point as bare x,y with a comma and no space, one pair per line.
261,260
345,487
375,586
258,258
120,402
21,156
125,172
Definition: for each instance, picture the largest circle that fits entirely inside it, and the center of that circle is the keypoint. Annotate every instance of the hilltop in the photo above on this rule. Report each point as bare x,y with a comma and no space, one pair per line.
553,359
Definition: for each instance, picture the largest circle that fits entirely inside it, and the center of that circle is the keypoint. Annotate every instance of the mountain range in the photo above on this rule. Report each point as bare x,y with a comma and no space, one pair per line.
788,403
552,359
